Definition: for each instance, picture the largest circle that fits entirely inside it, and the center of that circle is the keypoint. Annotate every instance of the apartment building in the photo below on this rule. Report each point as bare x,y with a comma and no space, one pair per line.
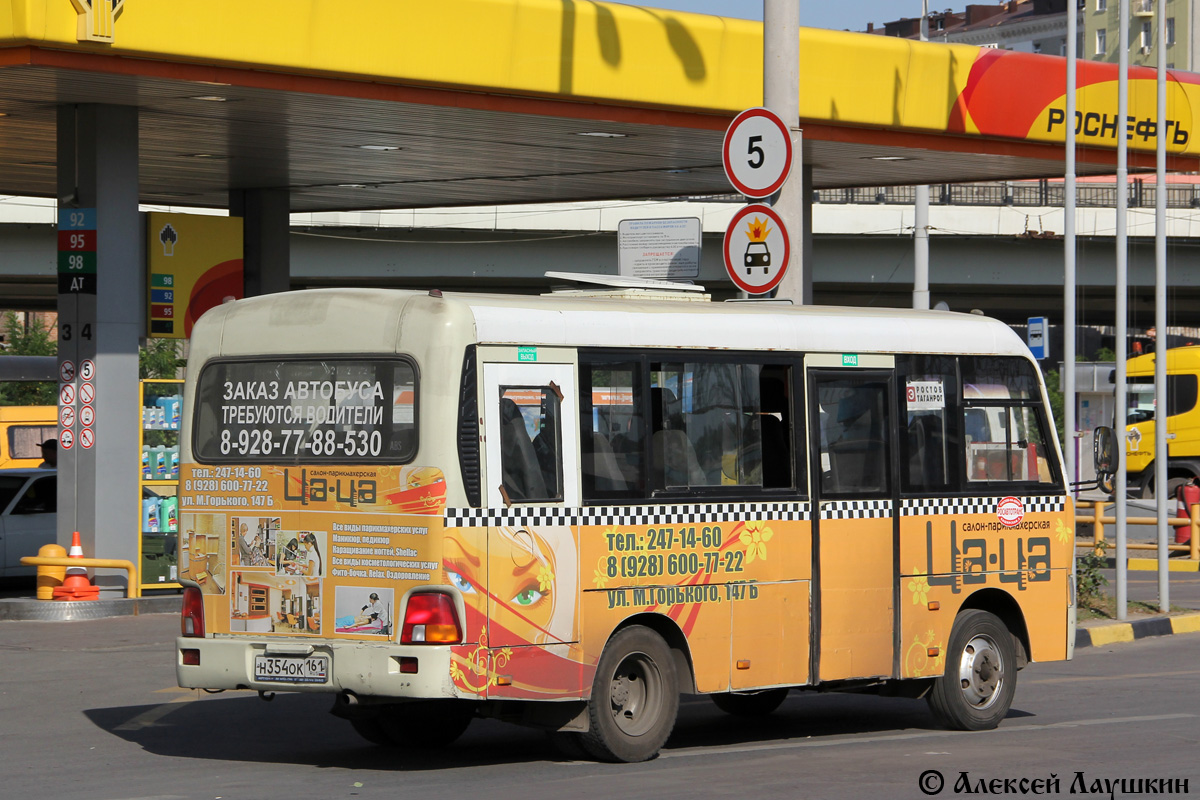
1101,37
1028,26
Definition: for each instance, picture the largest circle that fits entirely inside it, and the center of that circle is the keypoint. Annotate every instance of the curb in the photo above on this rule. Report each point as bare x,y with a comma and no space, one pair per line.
1151,565
31,610
1141,629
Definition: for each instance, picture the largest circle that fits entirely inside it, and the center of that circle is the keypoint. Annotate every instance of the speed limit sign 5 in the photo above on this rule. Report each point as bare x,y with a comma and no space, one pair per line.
757,152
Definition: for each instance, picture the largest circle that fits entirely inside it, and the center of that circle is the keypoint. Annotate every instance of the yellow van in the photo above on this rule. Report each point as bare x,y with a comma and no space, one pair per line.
24,428
1183,420
22,431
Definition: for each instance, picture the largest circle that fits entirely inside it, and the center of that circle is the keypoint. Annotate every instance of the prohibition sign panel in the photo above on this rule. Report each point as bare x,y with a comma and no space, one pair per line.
756,249
87,392
87,369
66,395
87,416
66,417
66,439
87,438
757,152
66,371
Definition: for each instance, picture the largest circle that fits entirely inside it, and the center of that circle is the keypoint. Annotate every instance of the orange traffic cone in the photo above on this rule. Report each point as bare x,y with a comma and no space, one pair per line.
76,586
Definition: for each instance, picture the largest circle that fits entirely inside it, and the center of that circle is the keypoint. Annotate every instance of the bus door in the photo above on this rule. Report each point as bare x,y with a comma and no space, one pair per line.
531,445
852,415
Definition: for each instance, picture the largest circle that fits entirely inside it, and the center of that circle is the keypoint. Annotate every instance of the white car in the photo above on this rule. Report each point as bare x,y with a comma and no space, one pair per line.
28,518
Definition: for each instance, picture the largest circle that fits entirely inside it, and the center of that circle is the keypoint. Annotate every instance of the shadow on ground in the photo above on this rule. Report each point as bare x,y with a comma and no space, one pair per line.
296,729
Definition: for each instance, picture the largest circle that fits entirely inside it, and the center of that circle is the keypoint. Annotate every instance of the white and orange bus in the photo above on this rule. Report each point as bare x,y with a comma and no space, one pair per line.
565,511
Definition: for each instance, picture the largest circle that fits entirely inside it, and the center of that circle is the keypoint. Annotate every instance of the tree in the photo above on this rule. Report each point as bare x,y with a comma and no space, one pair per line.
160,359
27,340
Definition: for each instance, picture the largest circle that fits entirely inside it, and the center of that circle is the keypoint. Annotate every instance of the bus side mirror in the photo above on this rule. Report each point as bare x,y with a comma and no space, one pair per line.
1104,451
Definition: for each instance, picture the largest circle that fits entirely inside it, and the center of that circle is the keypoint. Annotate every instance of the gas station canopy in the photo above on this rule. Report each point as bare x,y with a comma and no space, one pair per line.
392,103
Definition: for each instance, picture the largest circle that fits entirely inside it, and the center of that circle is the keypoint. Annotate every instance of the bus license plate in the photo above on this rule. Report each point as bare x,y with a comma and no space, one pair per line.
291,669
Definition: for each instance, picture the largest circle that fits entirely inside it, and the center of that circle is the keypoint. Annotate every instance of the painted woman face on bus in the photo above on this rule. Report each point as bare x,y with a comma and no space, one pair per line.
521,567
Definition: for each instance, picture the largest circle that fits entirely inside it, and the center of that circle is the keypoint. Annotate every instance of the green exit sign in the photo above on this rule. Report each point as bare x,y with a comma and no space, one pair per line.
526,354
849,359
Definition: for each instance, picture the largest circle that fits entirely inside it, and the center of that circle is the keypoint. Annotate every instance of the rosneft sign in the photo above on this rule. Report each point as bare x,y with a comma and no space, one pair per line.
97,19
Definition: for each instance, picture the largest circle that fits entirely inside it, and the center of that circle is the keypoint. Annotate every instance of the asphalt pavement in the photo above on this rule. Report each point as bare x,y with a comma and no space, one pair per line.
90,709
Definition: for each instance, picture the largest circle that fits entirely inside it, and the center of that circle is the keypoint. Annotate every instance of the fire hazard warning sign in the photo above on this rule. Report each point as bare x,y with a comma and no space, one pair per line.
756,249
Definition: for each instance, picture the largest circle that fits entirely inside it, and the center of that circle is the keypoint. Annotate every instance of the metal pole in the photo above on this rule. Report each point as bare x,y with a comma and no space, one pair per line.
1160,313
1122,300
921,214
781,94
1069,276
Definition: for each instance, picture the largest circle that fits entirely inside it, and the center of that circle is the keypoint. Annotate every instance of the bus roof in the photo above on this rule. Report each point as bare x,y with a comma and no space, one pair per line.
316,321
1179,359
554,320
28,368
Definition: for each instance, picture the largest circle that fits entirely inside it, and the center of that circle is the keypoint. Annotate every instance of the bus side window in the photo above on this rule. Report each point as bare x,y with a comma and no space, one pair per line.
854,453
530,444
612,429
776,423
929,399
1004,423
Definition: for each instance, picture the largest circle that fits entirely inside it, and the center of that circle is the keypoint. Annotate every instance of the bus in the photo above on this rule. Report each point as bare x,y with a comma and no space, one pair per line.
24,428
1183,420
566,510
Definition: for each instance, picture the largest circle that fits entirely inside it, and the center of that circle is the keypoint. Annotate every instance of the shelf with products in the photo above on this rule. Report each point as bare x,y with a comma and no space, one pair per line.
158,484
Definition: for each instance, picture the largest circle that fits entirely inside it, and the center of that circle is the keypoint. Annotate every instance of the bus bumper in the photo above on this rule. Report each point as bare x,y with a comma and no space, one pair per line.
362,668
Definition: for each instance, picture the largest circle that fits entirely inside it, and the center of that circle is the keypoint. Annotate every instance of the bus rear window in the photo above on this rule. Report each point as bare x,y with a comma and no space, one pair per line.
306,411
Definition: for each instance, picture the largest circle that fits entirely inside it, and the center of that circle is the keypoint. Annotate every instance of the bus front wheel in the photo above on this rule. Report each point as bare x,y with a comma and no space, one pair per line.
635,697
977,689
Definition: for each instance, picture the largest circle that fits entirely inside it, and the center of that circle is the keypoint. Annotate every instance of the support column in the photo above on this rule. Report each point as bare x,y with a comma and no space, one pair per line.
781,94
100,320
266,235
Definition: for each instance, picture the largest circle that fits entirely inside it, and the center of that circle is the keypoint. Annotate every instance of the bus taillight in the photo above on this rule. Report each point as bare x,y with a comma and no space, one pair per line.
192,621
430,618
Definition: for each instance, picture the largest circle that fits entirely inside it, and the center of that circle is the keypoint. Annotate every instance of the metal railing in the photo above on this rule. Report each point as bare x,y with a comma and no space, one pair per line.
1044,193
132,586
1097,520
1024,194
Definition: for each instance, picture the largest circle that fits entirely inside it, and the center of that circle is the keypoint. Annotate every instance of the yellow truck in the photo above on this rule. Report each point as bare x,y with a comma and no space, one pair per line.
1183,420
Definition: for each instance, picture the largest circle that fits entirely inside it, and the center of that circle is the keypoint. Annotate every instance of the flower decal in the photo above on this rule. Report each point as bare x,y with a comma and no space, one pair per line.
478,662
545,579
918,662
755,537
919,586
1062,531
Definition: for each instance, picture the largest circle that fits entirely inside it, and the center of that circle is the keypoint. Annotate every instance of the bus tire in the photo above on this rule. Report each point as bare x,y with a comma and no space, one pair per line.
635,697
750,704
568,744
427,724
370,728
977,689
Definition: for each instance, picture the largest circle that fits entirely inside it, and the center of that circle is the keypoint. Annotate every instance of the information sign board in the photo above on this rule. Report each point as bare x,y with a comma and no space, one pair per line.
659,248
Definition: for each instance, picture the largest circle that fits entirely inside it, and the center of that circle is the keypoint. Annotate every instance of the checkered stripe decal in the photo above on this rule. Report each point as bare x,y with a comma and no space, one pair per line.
856,509
934,506
690,514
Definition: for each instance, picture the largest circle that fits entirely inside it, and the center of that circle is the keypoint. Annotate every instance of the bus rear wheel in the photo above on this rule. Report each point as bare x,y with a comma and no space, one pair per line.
427,723
635,697
977,689
752,704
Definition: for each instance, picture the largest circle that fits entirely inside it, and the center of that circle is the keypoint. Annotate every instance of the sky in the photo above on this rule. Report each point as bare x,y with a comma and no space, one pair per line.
835,14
